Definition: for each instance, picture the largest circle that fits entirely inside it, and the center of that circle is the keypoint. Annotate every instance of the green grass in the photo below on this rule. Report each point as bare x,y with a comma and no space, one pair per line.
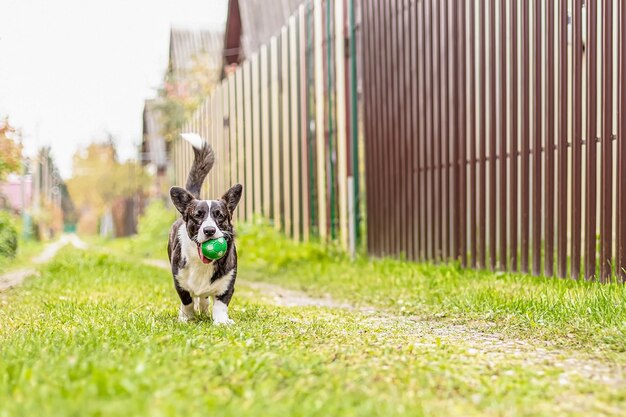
579,313
96,335
25,251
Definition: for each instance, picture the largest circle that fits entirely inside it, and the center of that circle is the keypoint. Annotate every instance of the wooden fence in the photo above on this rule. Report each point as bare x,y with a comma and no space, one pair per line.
495,133
493,129
284,125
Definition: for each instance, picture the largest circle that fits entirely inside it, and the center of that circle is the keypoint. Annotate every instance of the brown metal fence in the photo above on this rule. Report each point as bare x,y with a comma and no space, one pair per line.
494,133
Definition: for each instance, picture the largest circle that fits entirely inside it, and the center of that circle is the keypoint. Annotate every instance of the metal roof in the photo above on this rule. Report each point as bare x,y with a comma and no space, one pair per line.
262,19
188,46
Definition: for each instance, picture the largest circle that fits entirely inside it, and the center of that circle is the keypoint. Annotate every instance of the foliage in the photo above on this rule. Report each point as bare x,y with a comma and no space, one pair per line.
97,335
99,178
8,235
183,92
10,149
153,229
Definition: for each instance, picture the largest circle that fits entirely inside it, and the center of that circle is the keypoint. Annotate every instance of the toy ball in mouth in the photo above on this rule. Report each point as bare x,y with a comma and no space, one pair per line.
214,249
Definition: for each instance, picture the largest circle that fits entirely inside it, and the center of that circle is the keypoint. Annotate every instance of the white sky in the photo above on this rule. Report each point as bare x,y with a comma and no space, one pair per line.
73,70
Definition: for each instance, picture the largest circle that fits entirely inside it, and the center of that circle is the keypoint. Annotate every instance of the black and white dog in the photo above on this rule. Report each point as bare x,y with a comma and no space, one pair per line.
196,277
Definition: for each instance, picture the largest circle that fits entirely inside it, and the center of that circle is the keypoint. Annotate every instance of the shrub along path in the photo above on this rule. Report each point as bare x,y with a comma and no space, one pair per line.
315,334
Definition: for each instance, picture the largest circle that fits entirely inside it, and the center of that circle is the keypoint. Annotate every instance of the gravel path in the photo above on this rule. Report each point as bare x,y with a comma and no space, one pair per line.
16,277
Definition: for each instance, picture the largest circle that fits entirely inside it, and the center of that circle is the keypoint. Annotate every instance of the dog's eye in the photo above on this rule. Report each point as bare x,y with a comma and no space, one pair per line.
219,215
199,214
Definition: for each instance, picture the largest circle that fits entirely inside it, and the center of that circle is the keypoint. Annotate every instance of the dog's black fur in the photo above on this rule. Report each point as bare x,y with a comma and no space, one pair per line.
197,216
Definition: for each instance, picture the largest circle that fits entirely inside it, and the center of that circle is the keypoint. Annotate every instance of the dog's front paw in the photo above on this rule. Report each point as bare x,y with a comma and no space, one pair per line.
223,321
185,313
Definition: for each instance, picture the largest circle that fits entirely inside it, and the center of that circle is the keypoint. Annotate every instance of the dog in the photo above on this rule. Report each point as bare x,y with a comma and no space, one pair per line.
197,278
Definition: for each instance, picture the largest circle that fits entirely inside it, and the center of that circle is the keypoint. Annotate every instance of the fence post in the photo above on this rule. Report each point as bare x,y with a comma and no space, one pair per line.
340,88
296,200
319,118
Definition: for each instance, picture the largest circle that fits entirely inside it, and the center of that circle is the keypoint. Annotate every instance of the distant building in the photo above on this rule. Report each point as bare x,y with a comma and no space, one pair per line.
16,193
194,68
153,146
191,50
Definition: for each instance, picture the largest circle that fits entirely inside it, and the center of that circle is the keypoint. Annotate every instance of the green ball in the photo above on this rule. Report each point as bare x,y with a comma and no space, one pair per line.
215,248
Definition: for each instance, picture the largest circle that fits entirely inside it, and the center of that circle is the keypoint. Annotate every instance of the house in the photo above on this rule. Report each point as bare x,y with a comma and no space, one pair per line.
194,68
250,24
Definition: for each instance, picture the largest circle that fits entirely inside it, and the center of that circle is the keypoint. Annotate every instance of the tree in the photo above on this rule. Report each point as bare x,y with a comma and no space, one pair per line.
99,178
10,149
183,91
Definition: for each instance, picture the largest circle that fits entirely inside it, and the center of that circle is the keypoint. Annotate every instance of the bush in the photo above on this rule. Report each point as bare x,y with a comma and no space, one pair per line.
8,235
153,229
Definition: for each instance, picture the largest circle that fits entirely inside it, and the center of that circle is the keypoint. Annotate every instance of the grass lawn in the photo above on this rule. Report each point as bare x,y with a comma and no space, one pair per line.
25,251
96,334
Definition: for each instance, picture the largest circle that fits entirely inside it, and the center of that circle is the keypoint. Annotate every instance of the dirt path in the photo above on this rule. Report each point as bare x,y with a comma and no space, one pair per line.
14,278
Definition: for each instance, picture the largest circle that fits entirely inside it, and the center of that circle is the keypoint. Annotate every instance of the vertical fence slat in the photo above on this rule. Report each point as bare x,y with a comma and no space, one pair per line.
606,189
525,197
285,116
368,109
472,133
374,208
577,102
255,98
591,195
493,119
537,144
430,166
405,174
304,119
393,162
548,266
562,141
295,129
232,129
386,135
226,170
319,119
621,158
514,147
265,130
275,129
445,136
241,170
503,136
247,137
255,134
422,128
462,134
412,135
455,138
342,138
482,201
438,137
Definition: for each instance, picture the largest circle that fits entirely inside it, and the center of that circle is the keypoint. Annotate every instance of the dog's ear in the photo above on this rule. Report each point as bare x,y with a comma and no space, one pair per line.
181,199
232,197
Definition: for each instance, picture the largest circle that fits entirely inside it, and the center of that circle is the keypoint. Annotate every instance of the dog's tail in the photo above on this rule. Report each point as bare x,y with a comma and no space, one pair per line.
203,161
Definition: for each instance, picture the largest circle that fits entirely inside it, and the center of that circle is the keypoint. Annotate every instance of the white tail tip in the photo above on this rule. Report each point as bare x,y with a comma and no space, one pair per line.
194,139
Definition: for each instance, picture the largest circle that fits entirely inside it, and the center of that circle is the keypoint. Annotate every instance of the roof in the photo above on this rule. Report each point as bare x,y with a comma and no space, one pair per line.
188,46
258,22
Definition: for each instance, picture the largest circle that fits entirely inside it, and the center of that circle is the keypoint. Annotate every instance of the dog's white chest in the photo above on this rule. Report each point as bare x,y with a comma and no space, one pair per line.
196,278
